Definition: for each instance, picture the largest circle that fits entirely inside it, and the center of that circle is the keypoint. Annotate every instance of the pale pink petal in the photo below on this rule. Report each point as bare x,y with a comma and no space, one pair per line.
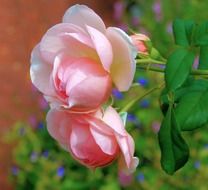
82,15
59,125
67,38
128,170
90,93
107,143
99,125
40,73
87,84
80,140
102,46
126,145
54,101
125,149
124,65
114,121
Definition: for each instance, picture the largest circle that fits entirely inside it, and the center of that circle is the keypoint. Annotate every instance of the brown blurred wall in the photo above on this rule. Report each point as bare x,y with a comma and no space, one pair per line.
22,24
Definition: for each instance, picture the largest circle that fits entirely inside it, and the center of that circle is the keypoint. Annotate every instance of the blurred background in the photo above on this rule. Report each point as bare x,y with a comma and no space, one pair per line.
30,159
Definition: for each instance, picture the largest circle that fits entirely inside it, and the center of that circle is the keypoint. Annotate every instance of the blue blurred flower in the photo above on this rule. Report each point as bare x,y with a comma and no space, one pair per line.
45,153
40,125
197,164
60,171
142,81
140,177
131,117
117,94
206,146
144,103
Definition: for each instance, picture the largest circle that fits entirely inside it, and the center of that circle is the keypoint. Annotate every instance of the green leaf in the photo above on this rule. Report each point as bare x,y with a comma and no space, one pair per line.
203,59
201,34
174,150
178,67
189,27
183,31
192,109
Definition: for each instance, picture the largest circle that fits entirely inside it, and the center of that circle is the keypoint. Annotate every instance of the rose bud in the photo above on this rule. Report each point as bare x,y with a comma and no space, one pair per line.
140,42
94,139
78,61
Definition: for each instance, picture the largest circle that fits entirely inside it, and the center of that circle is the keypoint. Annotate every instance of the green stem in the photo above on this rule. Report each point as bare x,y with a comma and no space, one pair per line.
150,61
194,72
132,102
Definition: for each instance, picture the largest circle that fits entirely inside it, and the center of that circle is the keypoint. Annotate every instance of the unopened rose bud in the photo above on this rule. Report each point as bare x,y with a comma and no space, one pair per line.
140,41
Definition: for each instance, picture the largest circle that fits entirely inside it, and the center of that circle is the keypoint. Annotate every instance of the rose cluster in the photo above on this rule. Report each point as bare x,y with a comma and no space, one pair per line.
75,66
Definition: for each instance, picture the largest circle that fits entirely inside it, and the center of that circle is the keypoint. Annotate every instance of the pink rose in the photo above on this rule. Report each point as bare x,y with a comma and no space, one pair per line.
78,61
139,42
94,139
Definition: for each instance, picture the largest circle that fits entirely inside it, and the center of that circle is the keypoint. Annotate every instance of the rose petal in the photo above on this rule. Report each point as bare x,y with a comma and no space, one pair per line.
66,38
80,141
102,46
59,125
40,72
82,15
128,162
107,143
91,92
124,65
128,170
114,121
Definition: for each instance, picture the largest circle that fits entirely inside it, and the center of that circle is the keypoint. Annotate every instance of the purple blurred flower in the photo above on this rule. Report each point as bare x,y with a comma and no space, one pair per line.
118,10
157,7
34,157
21,131
135,21
169,28
117,94
196,62
157,10
15,170
156,126
32,121
60,171
125,180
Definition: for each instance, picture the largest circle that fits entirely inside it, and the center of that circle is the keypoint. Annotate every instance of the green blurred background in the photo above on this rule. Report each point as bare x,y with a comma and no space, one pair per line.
38,163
